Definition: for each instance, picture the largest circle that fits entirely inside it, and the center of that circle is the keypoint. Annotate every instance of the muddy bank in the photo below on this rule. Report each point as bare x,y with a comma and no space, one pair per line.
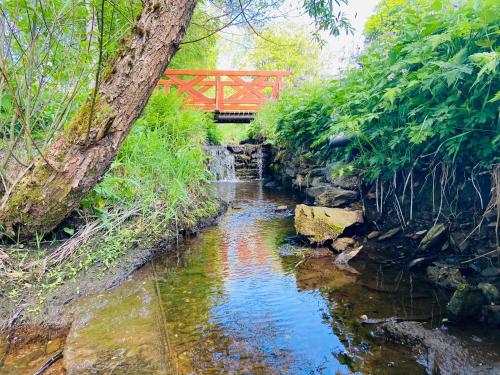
51,312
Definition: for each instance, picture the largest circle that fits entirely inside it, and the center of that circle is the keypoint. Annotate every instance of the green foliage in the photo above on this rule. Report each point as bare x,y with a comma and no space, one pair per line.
290,120
425,92
197,50
279,48
161,162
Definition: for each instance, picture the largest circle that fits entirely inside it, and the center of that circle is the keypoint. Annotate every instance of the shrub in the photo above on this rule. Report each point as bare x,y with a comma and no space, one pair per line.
424,93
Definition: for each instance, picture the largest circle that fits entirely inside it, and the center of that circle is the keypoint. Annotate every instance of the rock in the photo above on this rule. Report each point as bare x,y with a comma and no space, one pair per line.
416,262
457,242
373,235
363,317
490,292
341,244
320,224
335,197
320,252
317,181
445,277
434,237
440,352
271,184
315,191
281,208
490,316
346,256
287,250
491,272
389,234
465,303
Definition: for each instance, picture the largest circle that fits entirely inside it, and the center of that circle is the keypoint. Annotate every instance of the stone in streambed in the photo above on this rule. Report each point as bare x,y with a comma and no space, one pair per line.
341,244
490,316
435,236
389,234
329,196
491,272
316,253
490,292
373,235
321,224
336,197
346,256
466,302
445,277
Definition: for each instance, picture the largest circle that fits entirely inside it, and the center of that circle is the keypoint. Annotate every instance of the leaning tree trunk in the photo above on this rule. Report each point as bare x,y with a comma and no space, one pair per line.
80,156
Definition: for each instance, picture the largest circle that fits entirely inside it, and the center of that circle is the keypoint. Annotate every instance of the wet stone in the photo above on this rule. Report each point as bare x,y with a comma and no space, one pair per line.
466,302
341,244
434,237
491,272
445,277
389,234
373,235
320,224
490,316
490,292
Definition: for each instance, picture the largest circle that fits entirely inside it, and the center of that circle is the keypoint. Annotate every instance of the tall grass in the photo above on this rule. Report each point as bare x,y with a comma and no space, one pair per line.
161,162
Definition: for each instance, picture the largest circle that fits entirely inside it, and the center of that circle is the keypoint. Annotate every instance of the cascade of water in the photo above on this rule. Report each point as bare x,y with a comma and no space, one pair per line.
260,162
221,163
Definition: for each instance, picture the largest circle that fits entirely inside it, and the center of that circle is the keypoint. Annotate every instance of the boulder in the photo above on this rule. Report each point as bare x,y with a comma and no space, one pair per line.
435,236
316,253
320,224
491,272
490,292
315,191
341,244
335,197
466,302
346,256
316,181
446,277
490,316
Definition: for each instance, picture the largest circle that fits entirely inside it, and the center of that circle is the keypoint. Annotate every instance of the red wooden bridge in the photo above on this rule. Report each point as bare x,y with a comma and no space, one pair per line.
232,95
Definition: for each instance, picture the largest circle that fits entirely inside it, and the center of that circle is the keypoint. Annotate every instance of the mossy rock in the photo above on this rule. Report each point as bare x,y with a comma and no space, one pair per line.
465,303
321,224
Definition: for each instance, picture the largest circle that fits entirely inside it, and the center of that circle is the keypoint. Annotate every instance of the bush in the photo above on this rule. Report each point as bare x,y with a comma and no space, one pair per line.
424,93
161,162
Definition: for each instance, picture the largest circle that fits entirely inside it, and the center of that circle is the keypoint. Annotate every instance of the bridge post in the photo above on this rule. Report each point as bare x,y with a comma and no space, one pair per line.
219,93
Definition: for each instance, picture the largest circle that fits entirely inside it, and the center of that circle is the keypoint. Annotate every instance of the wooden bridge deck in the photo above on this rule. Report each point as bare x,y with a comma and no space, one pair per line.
232,95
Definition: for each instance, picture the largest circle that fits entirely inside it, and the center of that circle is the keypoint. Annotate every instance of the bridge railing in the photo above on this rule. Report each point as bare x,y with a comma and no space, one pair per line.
224,90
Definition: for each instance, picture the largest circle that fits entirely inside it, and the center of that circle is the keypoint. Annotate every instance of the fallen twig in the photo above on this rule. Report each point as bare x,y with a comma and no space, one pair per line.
49,363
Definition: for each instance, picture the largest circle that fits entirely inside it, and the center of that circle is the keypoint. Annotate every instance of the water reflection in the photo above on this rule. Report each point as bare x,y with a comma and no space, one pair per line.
230,303
245,311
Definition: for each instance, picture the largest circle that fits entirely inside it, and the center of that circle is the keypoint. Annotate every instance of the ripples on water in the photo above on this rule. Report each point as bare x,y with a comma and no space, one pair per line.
236,305
230,303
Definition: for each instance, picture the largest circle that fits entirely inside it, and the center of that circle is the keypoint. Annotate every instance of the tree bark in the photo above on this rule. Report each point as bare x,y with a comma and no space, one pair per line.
80,156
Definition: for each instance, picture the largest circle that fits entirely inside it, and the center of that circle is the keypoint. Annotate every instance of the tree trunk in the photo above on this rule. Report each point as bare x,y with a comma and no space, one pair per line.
80,156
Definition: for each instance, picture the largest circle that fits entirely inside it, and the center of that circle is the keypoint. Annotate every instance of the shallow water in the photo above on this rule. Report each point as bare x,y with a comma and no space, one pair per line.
233,301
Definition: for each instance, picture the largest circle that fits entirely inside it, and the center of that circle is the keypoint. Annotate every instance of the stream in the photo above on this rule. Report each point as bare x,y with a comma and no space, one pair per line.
234,299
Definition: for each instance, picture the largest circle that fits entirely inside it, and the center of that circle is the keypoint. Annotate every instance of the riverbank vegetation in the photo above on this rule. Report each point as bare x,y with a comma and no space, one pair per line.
422,100
158,183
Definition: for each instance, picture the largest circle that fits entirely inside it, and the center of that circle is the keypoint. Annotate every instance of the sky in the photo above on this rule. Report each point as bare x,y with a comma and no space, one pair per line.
335,54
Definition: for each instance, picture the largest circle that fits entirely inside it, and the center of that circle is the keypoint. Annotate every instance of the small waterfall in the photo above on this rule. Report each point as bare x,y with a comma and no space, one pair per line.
260,162
221,163
238,162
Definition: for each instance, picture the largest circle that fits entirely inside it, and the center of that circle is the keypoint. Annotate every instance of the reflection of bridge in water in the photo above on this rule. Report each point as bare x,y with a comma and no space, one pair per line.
232,95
